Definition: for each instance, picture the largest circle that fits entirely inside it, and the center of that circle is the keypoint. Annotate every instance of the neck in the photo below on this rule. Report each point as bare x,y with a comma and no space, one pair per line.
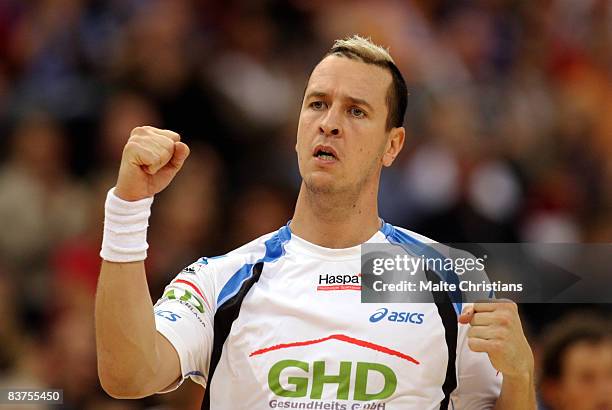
336,220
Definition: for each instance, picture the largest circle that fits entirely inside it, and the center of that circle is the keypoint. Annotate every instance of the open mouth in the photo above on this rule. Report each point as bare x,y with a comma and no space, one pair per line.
325,153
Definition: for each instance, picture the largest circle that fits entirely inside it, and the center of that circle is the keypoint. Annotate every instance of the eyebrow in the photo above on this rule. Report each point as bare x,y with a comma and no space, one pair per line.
353,100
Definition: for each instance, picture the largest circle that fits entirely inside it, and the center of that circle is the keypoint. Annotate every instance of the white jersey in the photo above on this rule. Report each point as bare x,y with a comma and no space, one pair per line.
279,323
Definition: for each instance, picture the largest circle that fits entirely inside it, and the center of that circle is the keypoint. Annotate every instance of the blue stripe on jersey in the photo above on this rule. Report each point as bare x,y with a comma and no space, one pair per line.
386,229
204,259
416,247
275,248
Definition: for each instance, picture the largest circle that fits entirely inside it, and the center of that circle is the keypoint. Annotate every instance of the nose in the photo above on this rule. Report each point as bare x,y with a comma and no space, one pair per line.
330,125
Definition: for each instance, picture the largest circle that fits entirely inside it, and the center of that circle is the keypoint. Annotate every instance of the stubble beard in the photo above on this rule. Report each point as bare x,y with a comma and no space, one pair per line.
337,193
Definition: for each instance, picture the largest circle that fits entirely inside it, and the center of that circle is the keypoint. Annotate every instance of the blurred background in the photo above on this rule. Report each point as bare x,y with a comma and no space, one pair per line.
509,129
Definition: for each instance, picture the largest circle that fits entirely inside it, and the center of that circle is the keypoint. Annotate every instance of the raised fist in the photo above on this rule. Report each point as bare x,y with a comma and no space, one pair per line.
495,328
151,158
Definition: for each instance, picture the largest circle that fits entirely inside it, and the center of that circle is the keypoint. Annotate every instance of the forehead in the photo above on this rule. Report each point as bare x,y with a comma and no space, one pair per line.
353,78
586,355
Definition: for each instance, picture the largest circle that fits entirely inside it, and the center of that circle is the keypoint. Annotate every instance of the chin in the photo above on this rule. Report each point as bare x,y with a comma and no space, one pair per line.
319,182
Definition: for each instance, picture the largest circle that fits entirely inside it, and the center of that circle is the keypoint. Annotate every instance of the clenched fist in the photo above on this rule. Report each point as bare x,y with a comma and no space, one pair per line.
151,159
496,329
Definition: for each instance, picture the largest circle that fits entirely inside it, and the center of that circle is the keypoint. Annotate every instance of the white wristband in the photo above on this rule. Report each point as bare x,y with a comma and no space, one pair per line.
125,229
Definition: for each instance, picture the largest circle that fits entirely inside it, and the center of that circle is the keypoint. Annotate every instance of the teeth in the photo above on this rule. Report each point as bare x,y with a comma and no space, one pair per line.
328,157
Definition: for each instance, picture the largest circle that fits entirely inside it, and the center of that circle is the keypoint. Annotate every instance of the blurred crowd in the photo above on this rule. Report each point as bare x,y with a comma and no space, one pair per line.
509,139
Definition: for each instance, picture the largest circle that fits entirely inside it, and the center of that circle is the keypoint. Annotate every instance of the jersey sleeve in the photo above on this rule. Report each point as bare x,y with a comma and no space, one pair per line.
184,315
478,382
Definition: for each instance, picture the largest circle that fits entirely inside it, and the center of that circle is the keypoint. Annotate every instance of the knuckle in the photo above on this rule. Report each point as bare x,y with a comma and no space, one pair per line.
170,135
142,130
136,138
142,138
167,142
138,130
503,319
130,147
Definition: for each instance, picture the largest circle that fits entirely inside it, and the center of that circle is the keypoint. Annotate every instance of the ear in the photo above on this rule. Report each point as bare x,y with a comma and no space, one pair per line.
394,145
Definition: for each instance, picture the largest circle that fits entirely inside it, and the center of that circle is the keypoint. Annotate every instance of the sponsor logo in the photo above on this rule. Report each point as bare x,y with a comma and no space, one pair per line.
192,286
176,293
339,282
398,317
312,377
190,270
166,314
193,310
325,405
198,315
194,373
354,380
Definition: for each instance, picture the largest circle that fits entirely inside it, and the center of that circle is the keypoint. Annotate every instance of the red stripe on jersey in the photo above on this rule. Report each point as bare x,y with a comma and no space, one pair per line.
342,338
339,287
194,287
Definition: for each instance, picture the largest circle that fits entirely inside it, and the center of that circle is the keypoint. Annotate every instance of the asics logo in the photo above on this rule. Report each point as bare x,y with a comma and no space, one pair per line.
399,317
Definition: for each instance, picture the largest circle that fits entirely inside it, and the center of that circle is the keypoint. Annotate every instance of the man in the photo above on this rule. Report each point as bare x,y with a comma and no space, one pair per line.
278,323
577,364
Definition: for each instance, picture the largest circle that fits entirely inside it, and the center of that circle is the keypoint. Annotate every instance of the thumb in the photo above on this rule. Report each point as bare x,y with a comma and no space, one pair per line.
181,152
467,315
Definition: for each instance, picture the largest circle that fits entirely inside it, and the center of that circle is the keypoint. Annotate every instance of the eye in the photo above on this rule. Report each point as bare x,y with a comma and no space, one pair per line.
317,105
357,112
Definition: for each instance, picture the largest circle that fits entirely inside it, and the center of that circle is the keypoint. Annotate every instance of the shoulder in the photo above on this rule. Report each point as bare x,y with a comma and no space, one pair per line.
403,235
397,234
267,246
248,251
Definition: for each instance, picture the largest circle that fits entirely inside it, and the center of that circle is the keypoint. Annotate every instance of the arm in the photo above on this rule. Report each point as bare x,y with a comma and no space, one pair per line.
134,360
518,393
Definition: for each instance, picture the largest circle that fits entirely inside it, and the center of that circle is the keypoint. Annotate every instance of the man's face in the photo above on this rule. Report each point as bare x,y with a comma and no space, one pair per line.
586,382
342,139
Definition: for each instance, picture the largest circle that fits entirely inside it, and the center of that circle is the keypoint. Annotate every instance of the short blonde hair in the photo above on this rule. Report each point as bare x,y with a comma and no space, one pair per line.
364,50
